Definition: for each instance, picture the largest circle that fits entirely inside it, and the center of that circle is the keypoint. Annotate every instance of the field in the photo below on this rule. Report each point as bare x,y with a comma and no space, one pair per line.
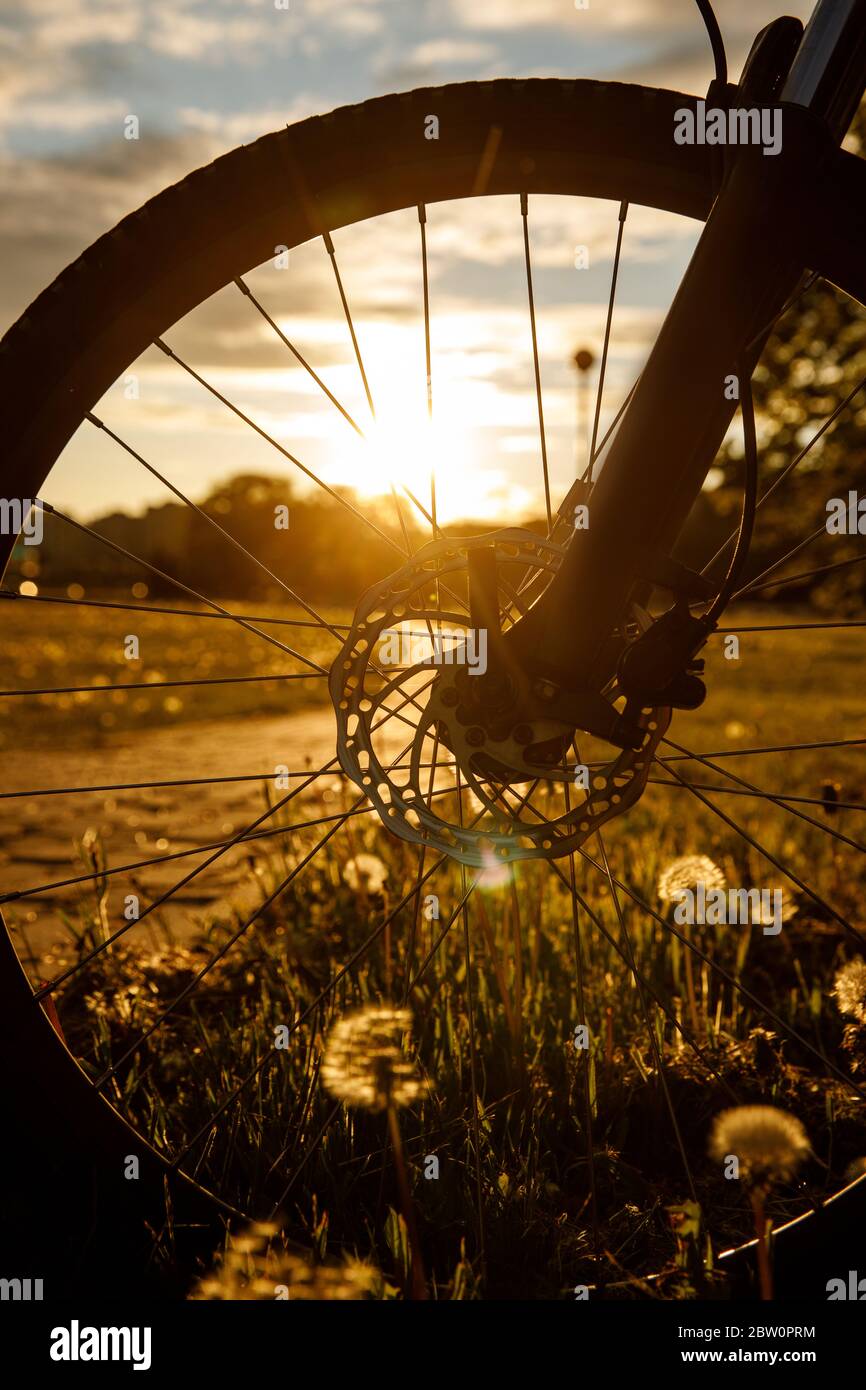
558,1166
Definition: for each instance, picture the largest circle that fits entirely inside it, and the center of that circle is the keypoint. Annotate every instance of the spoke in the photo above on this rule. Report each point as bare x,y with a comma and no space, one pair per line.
193,782
470,1016
244,288
42,888
583,1019
751,790
766,748
524,212
164,685
645,982
789,468
763,795
806,574
795,550
726,975
212,603
789,627
675,1023
609,431
84,960
196,980
434,949
329,247
808,281
303,1016
269,439
213,523
422,219
54,984
648,1020
331,397
766,854
221,617
623,213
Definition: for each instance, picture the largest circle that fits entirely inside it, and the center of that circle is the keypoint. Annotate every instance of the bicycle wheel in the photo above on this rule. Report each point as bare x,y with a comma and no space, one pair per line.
357,165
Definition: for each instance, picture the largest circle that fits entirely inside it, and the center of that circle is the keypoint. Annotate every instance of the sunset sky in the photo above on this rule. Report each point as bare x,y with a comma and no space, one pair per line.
206,75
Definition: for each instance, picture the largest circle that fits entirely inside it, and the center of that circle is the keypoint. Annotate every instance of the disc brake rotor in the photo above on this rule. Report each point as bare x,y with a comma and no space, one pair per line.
413,789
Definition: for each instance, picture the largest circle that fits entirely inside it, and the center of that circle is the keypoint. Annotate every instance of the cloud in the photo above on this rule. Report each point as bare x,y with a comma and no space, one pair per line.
656,16
451,51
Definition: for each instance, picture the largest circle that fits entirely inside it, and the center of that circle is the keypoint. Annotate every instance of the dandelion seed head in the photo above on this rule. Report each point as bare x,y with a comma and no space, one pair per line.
364,1064
849,989
769,1143
365,874
686,873
252,1271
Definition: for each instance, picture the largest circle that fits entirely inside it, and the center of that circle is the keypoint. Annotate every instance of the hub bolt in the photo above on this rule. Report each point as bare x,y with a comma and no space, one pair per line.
523,734
545,689
475,736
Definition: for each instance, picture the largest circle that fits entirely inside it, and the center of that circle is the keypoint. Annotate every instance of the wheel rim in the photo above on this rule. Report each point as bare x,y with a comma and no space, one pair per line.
691,194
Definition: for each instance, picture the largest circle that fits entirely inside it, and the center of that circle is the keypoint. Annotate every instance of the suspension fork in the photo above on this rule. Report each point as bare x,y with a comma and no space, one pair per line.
746,265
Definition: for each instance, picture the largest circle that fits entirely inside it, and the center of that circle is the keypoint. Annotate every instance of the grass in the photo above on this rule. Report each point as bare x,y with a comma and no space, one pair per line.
524,1145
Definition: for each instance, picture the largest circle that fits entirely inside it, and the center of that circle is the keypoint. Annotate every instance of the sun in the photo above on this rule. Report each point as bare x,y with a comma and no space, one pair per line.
408,445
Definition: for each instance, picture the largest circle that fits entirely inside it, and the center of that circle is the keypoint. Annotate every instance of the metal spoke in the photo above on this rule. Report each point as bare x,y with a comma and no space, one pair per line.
762,795
212,603
795,550
524,212
583,1019
648,1020
269,439
225,616
329,247
623,213
245,290
789,627
302,1017
54,984
231,941
199,511
41,889
165,685
789,467
756,845
806,574
190,782
726,975
766,748
422,219
752,790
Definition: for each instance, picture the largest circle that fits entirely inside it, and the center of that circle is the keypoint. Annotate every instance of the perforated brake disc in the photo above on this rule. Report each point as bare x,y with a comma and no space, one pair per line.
373,692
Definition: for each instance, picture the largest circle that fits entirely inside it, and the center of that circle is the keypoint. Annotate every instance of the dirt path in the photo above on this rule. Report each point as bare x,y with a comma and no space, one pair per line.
39,836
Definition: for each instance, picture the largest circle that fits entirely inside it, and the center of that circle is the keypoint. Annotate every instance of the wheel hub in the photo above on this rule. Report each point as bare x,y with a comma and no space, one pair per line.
497,731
